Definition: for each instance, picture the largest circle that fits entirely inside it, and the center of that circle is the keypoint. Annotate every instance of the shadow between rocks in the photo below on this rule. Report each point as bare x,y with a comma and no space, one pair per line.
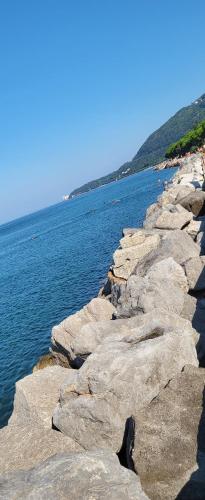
125,454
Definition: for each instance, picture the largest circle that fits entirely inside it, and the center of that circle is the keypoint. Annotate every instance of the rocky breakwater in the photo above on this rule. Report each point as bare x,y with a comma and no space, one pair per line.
122,413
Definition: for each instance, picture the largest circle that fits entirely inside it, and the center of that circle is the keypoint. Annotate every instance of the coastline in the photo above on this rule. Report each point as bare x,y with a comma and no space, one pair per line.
122,351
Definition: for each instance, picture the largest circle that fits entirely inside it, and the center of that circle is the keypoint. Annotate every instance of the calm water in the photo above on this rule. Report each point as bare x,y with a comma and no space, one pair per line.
42,280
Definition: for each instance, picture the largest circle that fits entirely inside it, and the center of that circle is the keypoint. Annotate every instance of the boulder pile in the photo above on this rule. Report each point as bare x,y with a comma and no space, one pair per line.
121,414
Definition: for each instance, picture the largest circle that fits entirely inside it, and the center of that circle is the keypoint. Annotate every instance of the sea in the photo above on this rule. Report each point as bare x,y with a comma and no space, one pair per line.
54,261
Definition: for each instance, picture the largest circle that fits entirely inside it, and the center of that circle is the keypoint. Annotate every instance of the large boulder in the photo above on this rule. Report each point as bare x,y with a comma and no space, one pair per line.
122,376
64,334
174,193
195,273
132,248
173,217
194,202
177,245
93,334
169,452
36,396
24,446
90,475
142,294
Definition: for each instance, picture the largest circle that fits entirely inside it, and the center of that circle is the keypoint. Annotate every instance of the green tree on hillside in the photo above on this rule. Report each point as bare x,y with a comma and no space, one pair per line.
189,142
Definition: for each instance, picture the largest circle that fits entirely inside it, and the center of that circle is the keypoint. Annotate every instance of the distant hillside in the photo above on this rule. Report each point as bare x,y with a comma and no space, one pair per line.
154,148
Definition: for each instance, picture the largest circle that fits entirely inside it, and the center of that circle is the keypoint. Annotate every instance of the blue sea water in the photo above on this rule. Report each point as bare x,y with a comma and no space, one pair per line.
54,261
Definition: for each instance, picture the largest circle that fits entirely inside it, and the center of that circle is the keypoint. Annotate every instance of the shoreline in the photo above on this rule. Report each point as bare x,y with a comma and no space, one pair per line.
122,358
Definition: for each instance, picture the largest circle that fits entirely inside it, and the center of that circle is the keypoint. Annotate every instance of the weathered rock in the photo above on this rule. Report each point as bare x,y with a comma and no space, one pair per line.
172,194
195,273
129,231
194,202
64,334
176,244
193,228
133,248
169,452
24,446
152,213
120,377
93,334
142,294
36,397
90,475
173,217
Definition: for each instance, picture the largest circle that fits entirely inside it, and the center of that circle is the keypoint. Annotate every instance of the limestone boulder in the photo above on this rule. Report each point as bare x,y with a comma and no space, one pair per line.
169,452
173,217
64,334
195,273
175,244
142,294
122,376
25,446
194,202
94,334
90,475
193,228
36,397
132,248
174,193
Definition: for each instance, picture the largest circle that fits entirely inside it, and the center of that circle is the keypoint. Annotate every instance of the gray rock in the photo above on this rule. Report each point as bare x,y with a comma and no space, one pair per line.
175,244
94,334
173,217
173,194
194,202
24,446
121,376
132,248
142,294
169,452
90,475
36,396
194,227
195,273
64,334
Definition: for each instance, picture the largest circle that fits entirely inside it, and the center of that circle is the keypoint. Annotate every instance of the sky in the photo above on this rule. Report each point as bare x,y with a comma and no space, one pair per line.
82,85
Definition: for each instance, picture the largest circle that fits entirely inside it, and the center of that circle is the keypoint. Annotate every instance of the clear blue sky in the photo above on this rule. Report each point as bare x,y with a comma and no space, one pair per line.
83,83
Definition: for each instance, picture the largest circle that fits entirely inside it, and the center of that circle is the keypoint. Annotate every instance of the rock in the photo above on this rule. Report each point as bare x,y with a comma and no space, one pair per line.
64,334
193,228
153,212
94,334
133,248
129,231
194,202
169,452
173,194
142,294
24,446
176,217
122,376
176,244
195,273
90,475
36,397
189,308
169,270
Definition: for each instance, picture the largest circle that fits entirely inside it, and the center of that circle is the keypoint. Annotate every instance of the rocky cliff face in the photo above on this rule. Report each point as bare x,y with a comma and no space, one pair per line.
122,413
